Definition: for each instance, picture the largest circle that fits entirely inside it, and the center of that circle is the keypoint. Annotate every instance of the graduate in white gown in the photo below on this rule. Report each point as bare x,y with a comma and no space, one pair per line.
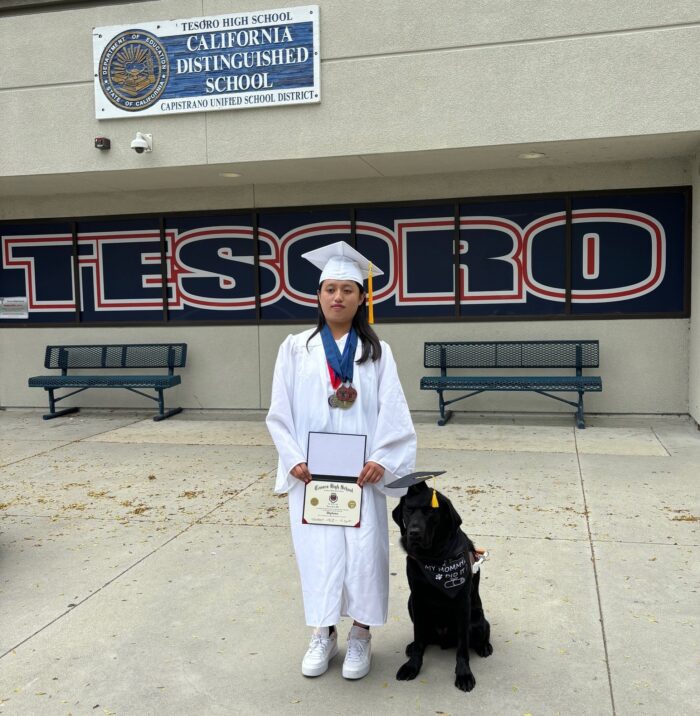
344,570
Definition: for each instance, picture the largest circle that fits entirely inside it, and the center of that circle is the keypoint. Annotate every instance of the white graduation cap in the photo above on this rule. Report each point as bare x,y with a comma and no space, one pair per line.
342,263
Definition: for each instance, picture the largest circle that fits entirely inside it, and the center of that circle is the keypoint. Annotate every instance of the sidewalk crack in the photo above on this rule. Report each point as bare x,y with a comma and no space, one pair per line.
65,444
595,576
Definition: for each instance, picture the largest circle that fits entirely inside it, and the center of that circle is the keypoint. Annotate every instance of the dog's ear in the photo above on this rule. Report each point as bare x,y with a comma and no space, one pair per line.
454,515
397,515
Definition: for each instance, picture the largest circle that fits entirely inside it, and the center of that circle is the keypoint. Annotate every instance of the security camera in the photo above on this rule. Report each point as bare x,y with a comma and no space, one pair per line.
142,143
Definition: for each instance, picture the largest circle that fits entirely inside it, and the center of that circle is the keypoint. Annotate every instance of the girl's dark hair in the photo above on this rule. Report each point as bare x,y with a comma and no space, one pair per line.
371,348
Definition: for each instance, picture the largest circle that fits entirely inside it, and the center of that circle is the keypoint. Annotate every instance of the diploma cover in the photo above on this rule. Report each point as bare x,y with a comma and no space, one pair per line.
333,497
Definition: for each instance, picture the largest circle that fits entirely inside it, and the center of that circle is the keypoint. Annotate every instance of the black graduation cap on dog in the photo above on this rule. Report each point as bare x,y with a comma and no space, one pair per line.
415,478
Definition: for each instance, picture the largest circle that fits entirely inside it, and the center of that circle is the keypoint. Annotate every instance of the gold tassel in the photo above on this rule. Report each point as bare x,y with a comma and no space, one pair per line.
434,501
370,306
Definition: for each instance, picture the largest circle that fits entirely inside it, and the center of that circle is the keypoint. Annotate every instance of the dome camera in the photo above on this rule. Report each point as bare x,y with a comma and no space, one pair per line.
142,143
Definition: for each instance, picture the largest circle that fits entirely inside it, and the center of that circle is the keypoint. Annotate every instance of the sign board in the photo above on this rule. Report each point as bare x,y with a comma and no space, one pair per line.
236,61
14,307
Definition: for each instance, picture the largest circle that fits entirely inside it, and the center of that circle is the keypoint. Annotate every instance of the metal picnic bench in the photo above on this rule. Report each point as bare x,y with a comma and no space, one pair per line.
576,354
111,357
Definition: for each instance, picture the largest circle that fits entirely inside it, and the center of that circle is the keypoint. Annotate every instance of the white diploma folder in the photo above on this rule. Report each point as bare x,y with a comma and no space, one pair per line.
338,456
333,497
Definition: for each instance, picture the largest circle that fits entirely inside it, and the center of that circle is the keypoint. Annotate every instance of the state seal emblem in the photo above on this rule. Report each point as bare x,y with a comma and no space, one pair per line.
134,70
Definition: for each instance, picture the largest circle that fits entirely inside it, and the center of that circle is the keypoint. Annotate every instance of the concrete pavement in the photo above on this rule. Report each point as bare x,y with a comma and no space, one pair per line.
147,568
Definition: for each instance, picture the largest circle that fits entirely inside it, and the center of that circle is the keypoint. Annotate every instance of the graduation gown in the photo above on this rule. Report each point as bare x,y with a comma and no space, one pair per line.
344,570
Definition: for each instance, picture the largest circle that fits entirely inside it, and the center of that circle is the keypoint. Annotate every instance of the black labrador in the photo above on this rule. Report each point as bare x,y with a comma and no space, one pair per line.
444,603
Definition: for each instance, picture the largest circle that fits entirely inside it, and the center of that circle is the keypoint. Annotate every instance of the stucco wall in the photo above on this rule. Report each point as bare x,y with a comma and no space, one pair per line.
643,363
631,352
431,75
527,180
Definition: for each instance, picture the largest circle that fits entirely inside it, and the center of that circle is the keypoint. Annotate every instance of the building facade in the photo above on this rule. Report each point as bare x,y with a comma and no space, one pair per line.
519,170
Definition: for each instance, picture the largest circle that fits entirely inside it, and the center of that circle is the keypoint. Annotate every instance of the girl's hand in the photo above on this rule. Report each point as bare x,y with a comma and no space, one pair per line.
372,472
301,472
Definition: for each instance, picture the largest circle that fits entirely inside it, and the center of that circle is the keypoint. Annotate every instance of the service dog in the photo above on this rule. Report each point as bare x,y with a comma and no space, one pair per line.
444,603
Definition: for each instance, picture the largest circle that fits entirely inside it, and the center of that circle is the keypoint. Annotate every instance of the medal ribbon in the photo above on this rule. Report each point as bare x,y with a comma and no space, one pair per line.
339,367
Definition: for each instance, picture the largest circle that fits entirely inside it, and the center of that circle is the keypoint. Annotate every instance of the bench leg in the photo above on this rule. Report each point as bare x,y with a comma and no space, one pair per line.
58,413
445,415
580,422
53,413
167,414
162,413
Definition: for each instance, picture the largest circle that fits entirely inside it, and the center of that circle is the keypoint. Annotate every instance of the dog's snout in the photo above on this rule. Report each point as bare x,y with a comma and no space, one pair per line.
414,533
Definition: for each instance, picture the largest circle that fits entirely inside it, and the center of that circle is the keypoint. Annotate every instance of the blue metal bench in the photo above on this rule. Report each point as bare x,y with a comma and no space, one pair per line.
109,358
512,355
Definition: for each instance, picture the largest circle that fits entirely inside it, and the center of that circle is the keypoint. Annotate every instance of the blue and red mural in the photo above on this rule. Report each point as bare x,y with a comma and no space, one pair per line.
605,254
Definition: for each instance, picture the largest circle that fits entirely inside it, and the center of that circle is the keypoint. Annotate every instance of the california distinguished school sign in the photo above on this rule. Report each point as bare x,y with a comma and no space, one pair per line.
254,59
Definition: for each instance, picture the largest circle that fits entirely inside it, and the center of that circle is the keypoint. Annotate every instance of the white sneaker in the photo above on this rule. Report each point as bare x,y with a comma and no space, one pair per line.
359,654
322,648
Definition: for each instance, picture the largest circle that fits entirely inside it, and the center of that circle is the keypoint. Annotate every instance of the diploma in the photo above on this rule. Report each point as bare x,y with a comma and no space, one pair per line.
333,496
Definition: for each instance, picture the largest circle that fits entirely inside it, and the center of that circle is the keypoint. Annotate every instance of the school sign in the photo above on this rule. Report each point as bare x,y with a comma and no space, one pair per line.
244,60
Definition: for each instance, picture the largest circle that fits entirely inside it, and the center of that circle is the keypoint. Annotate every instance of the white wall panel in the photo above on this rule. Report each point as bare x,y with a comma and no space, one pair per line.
606,85
644,363
222,365
62,41
478,97
526,180
52,131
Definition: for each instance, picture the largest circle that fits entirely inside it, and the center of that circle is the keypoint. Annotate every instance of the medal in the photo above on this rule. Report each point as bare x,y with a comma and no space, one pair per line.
346,393
344,397
340,369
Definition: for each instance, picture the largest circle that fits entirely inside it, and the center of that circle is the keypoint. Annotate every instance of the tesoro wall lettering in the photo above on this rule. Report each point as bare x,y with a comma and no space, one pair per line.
626,254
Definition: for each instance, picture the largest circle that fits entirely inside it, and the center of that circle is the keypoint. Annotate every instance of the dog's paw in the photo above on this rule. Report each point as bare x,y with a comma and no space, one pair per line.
465,682
484,649
407,672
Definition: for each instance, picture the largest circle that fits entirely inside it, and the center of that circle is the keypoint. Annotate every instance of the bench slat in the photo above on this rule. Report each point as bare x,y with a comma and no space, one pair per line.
130,355
563,383
511,354
104,381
